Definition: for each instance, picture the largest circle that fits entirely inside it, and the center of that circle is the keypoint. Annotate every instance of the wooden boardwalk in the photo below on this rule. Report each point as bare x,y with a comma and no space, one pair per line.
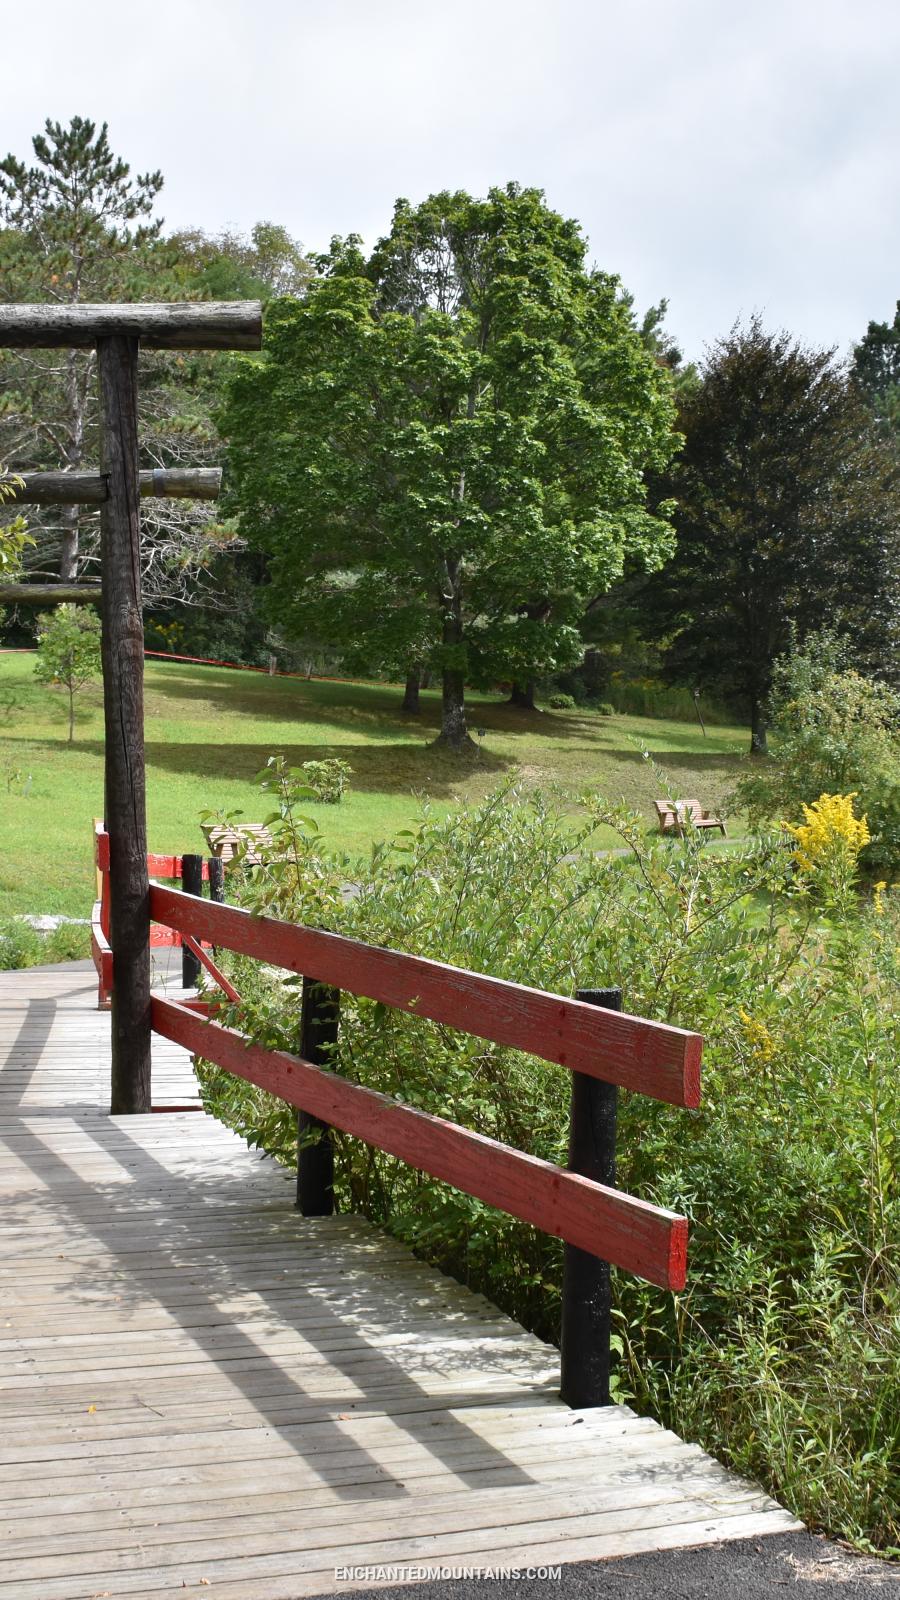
202,1393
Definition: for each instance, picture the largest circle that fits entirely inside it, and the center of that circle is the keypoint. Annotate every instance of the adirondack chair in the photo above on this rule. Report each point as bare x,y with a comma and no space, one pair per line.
671,818
226,842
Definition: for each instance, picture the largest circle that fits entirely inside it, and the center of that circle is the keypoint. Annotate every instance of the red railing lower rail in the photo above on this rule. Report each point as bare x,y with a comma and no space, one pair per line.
630,1233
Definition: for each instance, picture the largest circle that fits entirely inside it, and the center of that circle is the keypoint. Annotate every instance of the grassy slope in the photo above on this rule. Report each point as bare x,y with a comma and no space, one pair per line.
210,730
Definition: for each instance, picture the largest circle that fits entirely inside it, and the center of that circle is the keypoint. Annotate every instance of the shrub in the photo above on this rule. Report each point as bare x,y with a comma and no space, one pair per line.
70,941
327,779
832,732
783,1355
561,702
604,709
21,945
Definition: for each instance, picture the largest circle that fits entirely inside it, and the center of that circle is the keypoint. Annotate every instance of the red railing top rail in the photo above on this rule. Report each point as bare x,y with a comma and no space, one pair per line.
158,865
649,1057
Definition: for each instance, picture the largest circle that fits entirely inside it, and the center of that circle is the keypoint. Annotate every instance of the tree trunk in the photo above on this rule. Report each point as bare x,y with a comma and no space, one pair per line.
759,744
77,403
68,554
522,695
71,715
454,730
411,692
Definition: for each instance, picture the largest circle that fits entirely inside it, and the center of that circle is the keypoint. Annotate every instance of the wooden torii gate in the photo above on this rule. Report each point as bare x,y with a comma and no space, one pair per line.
118,331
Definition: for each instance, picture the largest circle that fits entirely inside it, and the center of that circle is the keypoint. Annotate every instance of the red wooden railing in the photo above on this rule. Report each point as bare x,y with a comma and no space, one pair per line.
159,866
594,1044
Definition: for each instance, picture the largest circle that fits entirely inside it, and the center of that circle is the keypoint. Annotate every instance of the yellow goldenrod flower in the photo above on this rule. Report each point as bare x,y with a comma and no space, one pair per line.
831,835
878,899
758,1037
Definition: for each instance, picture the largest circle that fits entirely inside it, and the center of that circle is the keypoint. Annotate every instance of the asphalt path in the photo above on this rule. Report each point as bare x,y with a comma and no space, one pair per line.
797,1565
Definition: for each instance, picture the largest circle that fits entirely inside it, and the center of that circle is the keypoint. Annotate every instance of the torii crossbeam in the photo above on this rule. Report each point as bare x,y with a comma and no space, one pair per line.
118,331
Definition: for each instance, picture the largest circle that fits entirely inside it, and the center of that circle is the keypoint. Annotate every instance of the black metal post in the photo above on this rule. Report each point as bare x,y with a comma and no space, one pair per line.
319,1021
191,883
587,1292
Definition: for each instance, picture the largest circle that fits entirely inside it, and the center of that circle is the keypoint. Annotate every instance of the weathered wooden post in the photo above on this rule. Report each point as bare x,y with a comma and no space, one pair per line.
319,1022
117,331
122,646
191,883
216,869
587,1289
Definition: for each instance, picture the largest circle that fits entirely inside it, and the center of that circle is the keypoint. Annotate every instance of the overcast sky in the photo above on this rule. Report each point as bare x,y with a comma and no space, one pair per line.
730,155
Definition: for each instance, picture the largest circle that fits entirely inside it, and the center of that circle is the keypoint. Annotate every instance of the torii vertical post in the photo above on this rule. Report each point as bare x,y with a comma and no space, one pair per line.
122,644
117,331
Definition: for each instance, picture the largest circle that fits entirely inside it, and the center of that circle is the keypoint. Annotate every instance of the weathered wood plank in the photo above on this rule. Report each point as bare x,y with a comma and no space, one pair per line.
197,1383
189,325
50,594
92,488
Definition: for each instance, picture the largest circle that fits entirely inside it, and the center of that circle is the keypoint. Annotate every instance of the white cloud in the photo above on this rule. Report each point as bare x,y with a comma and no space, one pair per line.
730,158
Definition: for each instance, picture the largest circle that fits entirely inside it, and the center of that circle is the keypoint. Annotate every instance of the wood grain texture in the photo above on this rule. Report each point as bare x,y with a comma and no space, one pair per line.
122,648
50,594
630,1233
189,325
649,1057
92,488
197,1384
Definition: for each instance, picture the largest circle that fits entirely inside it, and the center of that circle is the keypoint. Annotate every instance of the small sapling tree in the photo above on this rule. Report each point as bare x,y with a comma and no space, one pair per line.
68,651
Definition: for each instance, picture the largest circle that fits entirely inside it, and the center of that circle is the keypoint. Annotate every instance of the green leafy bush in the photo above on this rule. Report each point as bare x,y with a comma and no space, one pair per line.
21,945
561,702
604,709
784,1353
832,731
327,779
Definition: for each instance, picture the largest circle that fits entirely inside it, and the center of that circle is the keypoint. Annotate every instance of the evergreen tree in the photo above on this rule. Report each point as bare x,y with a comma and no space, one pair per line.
788,512
876,371
77,227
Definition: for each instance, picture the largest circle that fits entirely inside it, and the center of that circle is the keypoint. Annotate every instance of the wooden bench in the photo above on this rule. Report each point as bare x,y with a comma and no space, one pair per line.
226,842
671,818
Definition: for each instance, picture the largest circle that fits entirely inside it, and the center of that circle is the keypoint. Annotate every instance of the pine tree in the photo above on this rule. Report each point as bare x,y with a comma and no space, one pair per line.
78,227
788,510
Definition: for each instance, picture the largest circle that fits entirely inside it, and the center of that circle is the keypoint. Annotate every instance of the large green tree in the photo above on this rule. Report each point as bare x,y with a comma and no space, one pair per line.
444,449
787,518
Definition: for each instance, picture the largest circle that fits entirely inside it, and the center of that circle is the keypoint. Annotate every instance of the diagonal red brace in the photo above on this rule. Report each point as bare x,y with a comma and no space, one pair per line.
212,969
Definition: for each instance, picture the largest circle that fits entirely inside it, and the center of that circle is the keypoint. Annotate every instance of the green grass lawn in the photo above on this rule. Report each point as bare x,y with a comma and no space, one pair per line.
209,730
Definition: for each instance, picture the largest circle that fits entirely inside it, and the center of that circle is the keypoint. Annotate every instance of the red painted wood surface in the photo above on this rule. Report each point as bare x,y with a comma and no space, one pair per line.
218,977
643,1238
101,849
102,956
163,866
645,1056
159,865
